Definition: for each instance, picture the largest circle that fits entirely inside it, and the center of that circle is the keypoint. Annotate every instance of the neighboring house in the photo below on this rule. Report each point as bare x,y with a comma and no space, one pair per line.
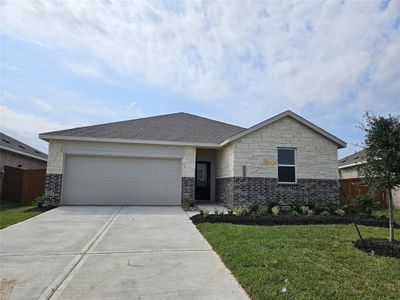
14,153
352,166
169,159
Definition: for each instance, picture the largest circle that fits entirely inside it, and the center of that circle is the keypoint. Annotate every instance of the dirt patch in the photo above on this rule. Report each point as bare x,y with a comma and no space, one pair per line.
271,220
381,247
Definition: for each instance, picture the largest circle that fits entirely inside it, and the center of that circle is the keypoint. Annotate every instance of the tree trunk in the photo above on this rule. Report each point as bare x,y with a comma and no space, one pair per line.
391,225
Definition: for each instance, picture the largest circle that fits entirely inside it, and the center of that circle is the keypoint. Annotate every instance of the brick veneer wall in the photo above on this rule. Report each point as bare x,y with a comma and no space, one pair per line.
188,189
53,189
241,191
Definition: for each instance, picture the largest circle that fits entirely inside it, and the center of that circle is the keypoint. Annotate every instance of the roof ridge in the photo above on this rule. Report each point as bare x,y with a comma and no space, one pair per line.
116,122
209,119
143,118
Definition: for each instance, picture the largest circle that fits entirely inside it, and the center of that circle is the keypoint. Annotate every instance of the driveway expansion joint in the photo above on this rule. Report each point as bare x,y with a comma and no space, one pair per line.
52,289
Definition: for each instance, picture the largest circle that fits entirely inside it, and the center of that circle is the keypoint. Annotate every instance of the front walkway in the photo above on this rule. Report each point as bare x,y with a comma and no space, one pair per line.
111,252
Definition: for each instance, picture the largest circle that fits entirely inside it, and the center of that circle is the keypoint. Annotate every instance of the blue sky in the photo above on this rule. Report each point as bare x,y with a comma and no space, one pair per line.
67,64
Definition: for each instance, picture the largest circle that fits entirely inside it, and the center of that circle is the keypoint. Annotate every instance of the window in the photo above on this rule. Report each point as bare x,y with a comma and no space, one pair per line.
286,165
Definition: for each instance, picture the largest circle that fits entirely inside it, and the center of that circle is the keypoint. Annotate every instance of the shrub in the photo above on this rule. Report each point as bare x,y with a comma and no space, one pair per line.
38,201
216,211
307,210
205,212
293,212
331,208
240,211
272,204
275,210
230,212
365,203
255,208
325,213
191,203
340,212
316,206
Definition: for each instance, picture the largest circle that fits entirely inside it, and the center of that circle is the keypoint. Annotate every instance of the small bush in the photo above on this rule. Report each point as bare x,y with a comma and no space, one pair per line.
293,213
240,211
275,210
38,201
331,208
255,208
205,212
340,212
307,210
325,213
365,203
230,212
216,211
272,204
191,203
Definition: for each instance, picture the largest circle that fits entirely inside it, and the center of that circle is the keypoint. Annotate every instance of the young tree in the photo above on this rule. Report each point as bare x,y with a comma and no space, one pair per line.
382,170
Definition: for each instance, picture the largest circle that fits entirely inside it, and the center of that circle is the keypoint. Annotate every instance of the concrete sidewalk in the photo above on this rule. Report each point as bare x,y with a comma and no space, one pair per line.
111,252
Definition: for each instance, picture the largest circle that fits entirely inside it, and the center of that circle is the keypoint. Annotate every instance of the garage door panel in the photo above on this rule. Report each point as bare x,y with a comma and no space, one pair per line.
121,181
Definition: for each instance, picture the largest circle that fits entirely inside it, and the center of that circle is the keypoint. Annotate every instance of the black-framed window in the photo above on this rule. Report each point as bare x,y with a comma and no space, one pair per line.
287,165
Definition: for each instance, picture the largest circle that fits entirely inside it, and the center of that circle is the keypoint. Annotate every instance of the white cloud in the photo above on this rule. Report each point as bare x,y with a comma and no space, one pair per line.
42,105
252,59
114,112
27,126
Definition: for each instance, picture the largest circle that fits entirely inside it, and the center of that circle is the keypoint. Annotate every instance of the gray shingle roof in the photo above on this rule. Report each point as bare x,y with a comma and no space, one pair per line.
176,127
354,158
9,142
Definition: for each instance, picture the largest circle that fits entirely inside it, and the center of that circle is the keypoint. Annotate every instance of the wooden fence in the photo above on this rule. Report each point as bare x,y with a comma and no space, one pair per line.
350,188
23,185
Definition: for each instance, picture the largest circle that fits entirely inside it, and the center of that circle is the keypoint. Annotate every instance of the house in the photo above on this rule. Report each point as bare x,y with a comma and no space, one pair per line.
352,166
173,158
16,154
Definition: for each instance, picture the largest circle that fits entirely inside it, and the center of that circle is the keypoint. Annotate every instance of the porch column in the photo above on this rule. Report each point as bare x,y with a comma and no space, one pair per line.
188,174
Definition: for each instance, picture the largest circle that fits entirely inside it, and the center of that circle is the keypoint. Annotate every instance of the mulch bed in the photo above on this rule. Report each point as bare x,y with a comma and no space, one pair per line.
271,220
186,207
381,247
41,208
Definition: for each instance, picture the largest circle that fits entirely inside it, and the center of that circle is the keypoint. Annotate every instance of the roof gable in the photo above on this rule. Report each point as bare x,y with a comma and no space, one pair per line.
288,113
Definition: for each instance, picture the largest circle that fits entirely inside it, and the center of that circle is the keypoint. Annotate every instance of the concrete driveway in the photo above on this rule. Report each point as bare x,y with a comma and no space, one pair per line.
108,252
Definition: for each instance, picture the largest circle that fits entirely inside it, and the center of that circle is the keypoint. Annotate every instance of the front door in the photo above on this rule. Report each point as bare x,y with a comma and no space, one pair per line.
202,180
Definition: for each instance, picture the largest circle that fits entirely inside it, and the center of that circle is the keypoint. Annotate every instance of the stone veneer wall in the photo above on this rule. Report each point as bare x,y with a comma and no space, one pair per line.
53,189
241,191
55,168
188,189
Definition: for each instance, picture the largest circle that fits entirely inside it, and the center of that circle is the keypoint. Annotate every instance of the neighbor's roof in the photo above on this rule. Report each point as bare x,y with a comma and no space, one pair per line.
10,144
354,159
175,129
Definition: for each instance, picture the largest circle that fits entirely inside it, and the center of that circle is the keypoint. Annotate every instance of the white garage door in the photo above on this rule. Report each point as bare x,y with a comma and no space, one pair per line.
90,180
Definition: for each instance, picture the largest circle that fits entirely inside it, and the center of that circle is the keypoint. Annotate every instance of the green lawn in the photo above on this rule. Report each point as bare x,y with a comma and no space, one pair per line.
311,262
13,212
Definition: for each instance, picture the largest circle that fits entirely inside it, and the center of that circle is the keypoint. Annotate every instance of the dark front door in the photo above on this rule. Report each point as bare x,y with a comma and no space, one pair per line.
202,180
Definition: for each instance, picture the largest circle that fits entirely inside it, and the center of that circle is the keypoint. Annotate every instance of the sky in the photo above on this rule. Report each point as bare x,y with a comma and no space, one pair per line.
68,64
